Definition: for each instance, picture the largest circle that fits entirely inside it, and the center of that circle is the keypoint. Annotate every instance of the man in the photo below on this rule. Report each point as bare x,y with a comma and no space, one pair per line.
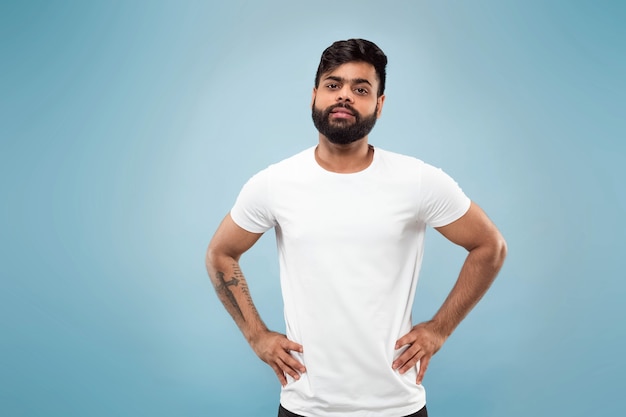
350,222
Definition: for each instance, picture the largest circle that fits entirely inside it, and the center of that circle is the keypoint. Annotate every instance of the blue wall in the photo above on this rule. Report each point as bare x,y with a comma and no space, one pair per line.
127,129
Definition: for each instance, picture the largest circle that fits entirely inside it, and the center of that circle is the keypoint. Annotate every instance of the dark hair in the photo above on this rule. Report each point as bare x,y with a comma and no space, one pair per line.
342,52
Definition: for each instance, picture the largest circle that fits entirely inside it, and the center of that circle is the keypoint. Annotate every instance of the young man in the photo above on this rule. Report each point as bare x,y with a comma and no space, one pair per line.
350,222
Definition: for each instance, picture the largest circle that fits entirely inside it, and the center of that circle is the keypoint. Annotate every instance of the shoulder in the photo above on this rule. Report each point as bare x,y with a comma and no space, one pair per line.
400,167
294,161
283,167
398,158
404,162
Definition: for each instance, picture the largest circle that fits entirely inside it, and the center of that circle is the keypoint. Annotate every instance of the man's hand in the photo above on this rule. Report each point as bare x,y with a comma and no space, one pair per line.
424,341
273,348
487,250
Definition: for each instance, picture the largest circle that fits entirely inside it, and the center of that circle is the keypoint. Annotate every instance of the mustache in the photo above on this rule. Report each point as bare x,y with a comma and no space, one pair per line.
344,105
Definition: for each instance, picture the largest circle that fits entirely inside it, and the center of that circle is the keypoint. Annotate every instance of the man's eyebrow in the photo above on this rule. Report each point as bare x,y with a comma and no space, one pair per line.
352,81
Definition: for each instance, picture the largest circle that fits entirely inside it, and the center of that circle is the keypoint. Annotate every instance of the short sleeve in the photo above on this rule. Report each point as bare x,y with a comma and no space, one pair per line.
252,210
443,201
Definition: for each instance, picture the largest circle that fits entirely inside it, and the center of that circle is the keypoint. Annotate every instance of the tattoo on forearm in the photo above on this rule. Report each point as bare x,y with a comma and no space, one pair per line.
226,294
244,287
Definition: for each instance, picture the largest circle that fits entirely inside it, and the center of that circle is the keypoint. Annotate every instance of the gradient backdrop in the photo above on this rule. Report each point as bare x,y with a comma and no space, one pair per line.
127,129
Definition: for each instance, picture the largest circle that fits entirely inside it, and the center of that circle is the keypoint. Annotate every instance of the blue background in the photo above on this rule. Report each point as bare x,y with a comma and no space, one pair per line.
128,128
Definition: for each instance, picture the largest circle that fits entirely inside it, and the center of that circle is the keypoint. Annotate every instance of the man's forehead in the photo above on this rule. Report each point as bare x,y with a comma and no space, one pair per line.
353,71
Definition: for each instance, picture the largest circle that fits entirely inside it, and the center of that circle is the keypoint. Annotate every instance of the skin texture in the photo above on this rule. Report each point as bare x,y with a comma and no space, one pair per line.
345,85
486,252
222,260
356,84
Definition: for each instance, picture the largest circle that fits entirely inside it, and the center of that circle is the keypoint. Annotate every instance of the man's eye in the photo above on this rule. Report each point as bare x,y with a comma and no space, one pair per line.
332,86
361,91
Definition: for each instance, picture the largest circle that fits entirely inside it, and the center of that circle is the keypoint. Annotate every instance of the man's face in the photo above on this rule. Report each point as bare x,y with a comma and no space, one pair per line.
345,105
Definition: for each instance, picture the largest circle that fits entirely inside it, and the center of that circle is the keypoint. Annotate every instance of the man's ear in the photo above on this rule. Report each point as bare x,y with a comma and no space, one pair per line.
313,96
380,102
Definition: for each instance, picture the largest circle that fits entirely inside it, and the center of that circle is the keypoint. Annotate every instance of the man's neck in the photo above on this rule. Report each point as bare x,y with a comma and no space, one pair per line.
344,159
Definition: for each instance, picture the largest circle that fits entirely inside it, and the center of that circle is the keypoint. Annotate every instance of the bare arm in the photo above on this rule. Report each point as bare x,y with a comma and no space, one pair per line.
222,261
487,250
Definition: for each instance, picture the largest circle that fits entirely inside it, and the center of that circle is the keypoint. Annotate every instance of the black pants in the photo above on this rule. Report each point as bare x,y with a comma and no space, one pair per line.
282,412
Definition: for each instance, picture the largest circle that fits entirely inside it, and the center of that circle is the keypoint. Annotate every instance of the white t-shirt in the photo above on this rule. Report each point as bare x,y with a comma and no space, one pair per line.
350,249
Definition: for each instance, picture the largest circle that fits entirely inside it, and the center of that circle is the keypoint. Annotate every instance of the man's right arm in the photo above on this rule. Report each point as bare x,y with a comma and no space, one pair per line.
222,261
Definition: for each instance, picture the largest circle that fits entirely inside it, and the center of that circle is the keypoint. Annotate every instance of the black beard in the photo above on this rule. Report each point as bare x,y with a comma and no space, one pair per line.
340,132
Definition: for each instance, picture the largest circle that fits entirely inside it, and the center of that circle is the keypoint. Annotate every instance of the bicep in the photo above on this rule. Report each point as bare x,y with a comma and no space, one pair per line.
231,239
471,230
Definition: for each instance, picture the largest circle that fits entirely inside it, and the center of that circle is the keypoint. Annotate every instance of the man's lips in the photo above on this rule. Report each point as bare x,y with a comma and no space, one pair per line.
341,112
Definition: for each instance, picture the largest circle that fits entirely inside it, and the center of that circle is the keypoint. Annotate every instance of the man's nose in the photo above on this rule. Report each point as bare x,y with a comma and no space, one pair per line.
345,95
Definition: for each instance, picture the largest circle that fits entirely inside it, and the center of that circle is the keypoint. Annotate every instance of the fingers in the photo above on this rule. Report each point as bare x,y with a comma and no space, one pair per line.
282,369
275,349
287,365
408,358
290,345
289,361
407,339
423,366
292,364
423,342
279,374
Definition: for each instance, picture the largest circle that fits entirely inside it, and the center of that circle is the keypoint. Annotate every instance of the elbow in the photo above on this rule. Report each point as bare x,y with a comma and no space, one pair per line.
492,251
500,250
214,262
211,258
216,258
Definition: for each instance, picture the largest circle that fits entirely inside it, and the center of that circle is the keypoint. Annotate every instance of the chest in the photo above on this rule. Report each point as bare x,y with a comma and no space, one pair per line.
350,211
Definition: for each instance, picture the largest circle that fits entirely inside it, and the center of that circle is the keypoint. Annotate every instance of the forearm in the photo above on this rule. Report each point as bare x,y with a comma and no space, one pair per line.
477,274
232,290
487,250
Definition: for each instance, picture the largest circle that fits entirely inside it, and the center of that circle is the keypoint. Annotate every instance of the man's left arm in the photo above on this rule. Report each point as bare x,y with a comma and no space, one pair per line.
487,250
